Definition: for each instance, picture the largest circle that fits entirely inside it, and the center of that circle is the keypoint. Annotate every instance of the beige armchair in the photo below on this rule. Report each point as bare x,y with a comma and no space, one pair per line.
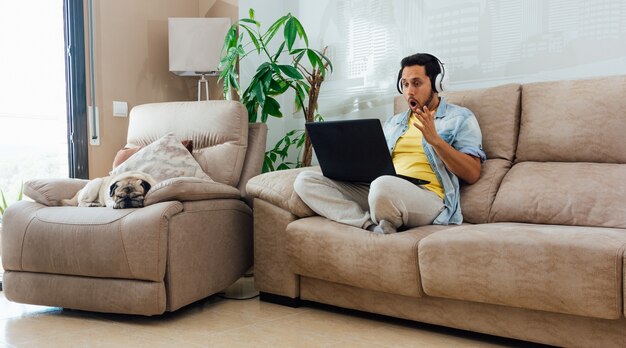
192,239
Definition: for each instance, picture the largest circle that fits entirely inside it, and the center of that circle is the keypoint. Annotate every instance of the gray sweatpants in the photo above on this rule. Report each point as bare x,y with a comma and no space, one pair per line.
390,198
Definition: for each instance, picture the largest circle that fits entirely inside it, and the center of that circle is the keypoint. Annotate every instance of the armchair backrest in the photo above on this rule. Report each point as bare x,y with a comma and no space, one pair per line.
253,165
218,129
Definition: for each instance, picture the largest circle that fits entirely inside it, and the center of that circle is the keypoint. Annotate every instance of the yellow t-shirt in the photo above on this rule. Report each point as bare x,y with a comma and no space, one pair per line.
409,158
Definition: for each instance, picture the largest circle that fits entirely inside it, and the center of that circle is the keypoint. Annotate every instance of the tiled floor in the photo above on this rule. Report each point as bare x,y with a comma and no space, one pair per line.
220,322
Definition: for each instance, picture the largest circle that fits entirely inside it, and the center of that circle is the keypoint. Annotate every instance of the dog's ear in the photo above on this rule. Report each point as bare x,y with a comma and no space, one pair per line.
112,189
146,186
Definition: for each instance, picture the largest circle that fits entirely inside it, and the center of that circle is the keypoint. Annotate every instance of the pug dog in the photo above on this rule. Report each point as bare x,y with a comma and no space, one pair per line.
125,190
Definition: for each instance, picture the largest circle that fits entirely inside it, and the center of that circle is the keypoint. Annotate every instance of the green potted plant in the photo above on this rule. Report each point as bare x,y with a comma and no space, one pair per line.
273,78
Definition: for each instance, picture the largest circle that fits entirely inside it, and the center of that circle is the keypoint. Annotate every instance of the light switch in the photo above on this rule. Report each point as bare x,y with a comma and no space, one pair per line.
120,109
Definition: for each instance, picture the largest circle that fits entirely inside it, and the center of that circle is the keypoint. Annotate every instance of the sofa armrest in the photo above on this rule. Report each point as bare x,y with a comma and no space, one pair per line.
189,189
50,192
277,188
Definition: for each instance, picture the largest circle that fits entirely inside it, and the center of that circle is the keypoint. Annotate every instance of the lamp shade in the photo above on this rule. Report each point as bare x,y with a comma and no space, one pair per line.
195,44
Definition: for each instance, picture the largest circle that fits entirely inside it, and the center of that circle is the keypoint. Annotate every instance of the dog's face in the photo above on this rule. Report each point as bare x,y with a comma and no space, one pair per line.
129,192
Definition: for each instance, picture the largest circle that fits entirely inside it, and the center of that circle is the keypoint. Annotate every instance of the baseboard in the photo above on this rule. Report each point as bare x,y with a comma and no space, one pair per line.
281,300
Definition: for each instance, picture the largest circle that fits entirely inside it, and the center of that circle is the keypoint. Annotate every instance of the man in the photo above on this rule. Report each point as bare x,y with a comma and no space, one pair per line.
433,140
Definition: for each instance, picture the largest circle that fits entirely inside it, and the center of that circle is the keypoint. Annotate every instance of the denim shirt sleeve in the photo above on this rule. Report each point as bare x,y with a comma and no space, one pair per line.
468,138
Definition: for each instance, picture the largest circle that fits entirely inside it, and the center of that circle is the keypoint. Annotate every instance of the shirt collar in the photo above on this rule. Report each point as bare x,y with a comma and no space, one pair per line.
441,109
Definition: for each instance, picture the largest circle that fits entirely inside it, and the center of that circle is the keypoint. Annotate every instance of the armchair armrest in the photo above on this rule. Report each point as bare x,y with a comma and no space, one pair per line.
50,192
277,188
189,189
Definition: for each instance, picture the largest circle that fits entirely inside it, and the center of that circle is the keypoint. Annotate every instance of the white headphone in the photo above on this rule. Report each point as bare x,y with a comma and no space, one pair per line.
439,84
441,80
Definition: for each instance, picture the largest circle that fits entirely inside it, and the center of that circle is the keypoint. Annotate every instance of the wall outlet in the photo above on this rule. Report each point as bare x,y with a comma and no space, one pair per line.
120,109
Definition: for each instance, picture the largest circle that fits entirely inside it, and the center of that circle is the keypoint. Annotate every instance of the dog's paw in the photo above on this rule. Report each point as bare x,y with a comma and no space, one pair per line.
94,205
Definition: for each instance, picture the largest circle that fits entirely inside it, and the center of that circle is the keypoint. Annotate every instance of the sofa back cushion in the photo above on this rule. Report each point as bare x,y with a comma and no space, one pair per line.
497,110
574,121
218,129
558,193
570,162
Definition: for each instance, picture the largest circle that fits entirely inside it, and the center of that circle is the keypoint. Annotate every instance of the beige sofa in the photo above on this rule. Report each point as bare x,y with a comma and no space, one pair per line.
193,238
539,256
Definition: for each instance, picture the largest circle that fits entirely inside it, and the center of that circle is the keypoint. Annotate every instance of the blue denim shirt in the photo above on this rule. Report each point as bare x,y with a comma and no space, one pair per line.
458,127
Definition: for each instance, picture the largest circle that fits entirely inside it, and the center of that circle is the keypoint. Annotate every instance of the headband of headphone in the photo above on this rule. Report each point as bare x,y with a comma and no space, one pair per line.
438,84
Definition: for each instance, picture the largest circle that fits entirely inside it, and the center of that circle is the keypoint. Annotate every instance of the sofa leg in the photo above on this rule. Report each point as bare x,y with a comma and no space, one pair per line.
279,299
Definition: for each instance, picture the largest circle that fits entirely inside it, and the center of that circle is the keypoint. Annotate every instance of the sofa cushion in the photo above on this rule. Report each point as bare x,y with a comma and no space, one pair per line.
125,153
581,194
497,110
574,121
277,188
189,189
320,248
166,158
94,242
51,192
477,199
219,132
572,270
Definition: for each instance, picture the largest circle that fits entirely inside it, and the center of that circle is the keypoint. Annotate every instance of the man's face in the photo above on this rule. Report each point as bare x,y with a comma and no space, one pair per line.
416,87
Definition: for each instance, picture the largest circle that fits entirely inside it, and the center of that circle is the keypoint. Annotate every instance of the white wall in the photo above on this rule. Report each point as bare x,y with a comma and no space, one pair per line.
482,43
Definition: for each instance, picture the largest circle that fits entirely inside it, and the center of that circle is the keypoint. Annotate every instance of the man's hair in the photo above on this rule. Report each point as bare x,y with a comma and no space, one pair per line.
428,61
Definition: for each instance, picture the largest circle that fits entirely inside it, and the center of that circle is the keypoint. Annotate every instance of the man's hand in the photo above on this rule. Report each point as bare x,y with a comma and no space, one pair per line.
427,118
462,165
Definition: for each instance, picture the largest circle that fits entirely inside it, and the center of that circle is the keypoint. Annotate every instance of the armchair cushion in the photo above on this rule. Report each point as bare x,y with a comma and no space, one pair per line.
50,192
277,188
189,189
163,159
125,153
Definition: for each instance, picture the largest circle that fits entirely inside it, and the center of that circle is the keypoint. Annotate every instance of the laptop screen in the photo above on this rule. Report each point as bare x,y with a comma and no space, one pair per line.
353,150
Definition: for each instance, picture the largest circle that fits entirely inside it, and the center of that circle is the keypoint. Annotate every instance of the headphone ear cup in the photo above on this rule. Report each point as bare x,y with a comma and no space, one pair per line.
441,83
438,81
441,80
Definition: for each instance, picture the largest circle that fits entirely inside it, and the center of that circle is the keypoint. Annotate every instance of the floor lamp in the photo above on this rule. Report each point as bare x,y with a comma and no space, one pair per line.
195,46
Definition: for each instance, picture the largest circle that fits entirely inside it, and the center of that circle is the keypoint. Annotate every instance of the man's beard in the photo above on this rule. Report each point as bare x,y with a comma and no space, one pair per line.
414,105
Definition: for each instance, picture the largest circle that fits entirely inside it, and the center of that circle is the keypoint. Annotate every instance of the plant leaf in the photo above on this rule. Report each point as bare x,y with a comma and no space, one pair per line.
249,20
232,78
252,38
299,56
230,38
290,71
251,13
290,32
259,93
4,202
252,114
267,164
330,64
314,59
280,50
272,107
301,31
277,87
283,166
274,28
301,140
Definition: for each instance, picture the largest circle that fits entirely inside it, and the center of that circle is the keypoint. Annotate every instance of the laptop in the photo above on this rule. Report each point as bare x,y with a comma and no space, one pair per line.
353,150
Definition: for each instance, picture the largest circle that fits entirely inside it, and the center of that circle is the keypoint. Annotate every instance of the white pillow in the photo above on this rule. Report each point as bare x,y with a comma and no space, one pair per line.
164,159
